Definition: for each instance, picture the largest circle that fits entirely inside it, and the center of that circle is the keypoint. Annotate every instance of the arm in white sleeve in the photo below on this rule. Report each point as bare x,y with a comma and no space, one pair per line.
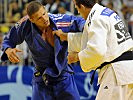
92,56
74,41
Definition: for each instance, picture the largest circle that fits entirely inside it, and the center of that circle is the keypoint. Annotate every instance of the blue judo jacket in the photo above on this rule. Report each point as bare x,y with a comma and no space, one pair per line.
51,60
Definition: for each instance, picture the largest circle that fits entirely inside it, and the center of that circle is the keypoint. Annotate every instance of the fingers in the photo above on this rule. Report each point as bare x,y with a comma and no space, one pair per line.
13,60
18,50
61,34
71,60
72,57
14,57
57,32
11,53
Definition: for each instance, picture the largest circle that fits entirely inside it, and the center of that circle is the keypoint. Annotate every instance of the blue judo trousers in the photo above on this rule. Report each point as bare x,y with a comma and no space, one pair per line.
53,78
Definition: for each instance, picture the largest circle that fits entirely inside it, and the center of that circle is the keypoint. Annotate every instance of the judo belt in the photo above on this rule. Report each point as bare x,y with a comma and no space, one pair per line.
41,70
125,56
49,79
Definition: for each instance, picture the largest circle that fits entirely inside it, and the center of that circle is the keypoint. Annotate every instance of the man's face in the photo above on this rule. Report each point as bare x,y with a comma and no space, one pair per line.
40,18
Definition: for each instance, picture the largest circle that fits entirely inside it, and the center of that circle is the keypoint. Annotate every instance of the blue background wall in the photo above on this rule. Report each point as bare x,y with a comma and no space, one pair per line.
15,83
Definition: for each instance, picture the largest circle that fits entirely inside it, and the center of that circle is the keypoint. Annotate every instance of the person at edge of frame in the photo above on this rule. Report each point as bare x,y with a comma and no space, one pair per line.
105,44
53,78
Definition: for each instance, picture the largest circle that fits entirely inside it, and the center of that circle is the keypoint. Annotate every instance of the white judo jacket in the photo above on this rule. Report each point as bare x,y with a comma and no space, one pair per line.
105,37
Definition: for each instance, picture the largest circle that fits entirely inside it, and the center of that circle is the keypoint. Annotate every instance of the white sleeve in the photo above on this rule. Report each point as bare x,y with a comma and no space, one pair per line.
74,41
92,56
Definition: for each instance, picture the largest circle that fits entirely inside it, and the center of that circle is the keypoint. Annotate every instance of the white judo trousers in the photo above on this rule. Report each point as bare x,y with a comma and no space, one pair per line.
110,90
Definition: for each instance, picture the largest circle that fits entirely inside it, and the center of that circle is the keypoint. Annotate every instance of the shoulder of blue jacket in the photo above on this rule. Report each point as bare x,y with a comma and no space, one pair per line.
21,21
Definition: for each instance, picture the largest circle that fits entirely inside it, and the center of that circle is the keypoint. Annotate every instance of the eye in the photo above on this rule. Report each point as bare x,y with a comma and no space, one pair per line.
44,13
39,18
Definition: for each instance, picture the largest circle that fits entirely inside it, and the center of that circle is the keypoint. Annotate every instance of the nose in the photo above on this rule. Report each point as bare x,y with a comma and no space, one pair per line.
43,18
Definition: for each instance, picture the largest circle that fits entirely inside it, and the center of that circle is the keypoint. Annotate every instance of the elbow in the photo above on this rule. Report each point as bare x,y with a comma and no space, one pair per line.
85,70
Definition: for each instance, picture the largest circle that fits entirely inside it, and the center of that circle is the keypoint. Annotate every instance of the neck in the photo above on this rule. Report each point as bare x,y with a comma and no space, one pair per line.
42,28
87,13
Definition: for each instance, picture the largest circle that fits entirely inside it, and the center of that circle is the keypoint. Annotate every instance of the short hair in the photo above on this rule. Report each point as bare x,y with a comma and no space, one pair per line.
33,7
86,3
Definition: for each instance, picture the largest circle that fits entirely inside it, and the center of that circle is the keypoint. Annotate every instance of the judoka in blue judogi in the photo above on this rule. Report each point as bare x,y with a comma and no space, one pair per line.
53,78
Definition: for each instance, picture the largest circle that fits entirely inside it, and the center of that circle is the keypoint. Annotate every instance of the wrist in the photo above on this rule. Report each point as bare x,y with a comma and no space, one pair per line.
65,36
8,49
